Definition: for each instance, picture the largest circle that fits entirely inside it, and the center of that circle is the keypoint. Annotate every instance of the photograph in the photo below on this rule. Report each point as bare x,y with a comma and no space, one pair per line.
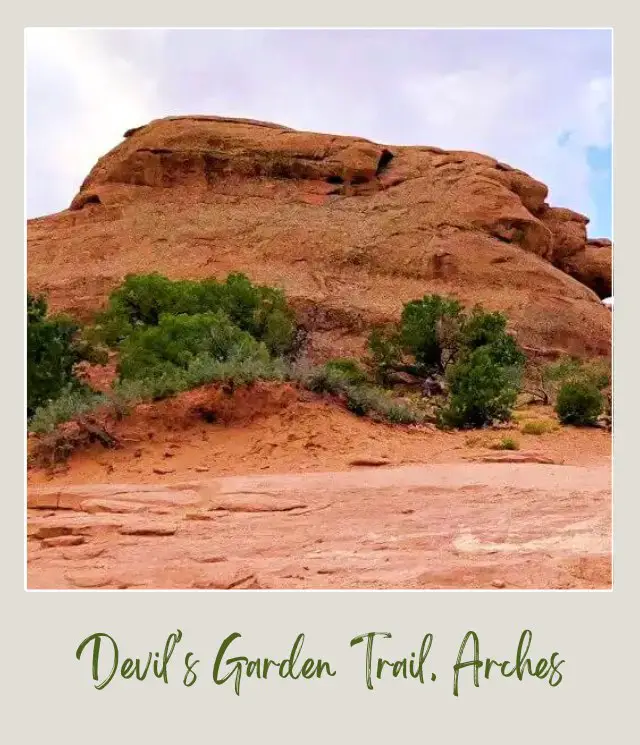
318,309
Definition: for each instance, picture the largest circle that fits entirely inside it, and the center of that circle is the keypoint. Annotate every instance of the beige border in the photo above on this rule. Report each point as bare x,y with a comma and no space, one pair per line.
52,693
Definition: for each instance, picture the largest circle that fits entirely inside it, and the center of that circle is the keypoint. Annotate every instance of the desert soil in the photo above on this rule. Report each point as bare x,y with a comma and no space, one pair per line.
293,492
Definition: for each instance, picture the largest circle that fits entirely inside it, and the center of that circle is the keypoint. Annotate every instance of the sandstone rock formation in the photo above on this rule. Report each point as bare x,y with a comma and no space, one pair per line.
348,228
592,266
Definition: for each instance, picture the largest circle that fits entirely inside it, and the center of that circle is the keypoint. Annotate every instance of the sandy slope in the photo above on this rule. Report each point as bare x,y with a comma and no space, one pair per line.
433,517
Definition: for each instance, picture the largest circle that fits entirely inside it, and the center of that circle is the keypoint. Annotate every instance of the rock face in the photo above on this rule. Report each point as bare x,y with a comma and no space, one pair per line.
348,228
592,266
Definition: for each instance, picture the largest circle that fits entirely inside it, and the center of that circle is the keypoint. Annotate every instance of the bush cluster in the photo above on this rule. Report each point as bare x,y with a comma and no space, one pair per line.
472,352
482,390
173,335
142,301
170,336
577,389
362,398
579,403
54,347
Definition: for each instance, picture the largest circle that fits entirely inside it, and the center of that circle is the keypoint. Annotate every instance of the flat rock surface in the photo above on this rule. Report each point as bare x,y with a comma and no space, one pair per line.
460,525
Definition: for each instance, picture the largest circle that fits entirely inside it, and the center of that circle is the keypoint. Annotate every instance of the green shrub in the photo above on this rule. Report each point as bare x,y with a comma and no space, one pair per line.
435,332
429,330
322,379
239,370
481,361
481,328
362,399
177,340
69,404
350,369
386,353
171,336
142,300
367,400
277,331
53,351
398,413
579,402
174,335
594,373
160,382
489,330
481,391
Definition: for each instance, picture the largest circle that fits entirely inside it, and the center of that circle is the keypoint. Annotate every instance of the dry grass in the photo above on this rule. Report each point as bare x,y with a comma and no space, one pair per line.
506,443
487,442
538,427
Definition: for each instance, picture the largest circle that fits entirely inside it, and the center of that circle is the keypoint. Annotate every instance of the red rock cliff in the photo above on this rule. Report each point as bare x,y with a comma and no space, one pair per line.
348,228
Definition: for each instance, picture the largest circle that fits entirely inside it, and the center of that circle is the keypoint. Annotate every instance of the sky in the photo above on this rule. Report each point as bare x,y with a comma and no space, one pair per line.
540,100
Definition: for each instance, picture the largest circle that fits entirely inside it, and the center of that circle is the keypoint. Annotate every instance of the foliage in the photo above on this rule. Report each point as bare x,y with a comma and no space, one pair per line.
142,300
178,339
579,402
568,369
481,391
72,402
361,398
436,337
481,362
430,330
552,376
160,383
350,369
175,335
157,384
321,379
36,308
386,353
170,336
481,329
53,350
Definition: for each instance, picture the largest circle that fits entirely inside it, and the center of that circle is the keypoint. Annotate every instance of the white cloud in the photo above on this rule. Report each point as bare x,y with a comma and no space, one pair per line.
596,113
519,118
103,93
